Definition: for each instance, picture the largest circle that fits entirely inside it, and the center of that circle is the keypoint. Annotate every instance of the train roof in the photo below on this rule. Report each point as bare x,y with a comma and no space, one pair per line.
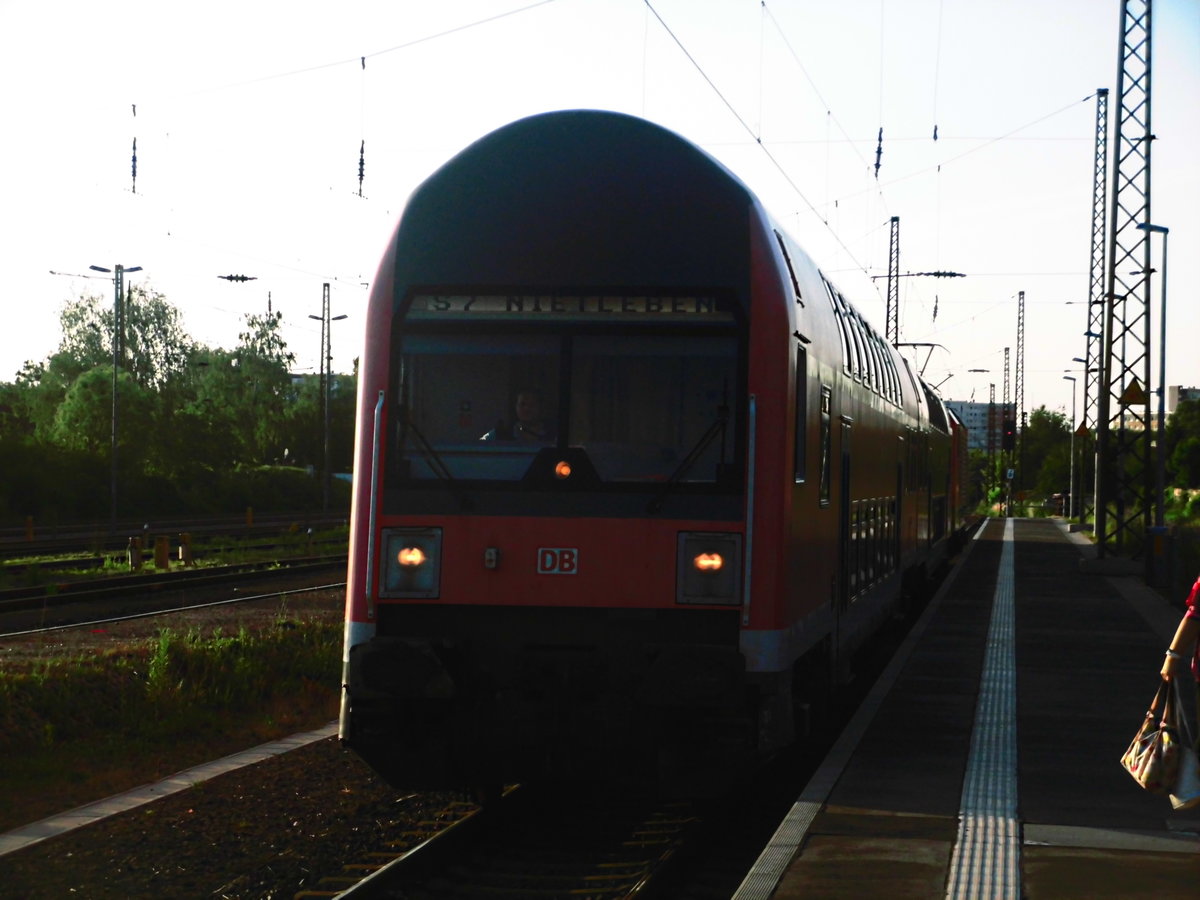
581,199
514,203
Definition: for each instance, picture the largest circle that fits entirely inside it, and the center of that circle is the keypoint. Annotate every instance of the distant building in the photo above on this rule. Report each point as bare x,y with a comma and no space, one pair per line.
975,417
1176,393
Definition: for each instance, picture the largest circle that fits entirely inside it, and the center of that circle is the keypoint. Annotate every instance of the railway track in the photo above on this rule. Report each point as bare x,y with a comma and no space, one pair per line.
542,844
533,843
34,610
52,563
96,538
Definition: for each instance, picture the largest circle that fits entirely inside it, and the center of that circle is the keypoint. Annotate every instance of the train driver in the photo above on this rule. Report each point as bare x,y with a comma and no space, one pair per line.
529,425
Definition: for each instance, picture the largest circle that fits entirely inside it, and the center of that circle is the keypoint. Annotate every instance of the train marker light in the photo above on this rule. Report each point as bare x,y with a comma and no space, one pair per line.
410,556
562,470
411,562
708,568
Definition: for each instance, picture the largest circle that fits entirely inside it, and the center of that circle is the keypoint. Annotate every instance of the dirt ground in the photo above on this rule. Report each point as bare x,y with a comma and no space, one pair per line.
268,830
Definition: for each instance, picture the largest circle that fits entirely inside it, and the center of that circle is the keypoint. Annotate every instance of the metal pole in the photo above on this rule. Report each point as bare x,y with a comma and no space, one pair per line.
1160,515
1071,477
118,324
1160,432
326,360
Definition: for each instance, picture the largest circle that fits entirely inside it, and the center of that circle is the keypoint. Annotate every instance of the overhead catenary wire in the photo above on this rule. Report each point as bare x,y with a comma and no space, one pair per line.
234,85
831,121
986,143
937,67
361,60
750,131
362,128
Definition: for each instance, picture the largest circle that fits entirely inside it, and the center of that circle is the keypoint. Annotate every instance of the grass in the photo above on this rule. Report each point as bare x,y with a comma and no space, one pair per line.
211,551
77,729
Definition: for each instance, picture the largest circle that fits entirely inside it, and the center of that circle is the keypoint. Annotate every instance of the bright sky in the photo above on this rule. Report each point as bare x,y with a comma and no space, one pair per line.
250,115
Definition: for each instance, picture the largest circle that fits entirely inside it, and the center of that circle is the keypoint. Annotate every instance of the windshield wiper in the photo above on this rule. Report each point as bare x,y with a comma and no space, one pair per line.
685,466
436,464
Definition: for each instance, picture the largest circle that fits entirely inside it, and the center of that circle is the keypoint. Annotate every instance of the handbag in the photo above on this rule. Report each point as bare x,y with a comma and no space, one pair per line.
1186,792
1153,755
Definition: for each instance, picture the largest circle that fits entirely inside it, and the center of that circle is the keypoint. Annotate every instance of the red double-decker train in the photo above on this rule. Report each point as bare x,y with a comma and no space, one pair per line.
634,480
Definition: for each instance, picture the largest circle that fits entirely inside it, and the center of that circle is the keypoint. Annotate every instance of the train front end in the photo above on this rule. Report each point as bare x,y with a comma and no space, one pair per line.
548,557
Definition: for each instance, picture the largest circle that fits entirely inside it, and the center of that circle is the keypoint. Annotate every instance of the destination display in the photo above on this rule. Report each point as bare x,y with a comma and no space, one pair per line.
583,306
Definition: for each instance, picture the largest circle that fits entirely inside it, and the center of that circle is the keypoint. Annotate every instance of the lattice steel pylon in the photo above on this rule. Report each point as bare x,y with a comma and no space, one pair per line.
1096,306
1020,389
1007,404
992,427
1124,472
893,284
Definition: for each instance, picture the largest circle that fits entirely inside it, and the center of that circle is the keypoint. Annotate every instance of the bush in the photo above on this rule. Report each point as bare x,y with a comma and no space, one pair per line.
162,688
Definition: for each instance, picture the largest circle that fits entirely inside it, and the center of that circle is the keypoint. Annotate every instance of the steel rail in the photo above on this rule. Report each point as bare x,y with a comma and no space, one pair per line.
174,609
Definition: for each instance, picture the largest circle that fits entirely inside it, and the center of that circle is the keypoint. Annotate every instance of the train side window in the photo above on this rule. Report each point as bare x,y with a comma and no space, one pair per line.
856,338
892,377
801,431
881,385
791,271
826,442
880,366
843,330
869,353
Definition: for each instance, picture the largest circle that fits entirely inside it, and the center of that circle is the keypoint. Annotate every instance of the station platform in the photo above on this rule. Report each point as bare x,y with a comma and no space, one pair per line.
986,761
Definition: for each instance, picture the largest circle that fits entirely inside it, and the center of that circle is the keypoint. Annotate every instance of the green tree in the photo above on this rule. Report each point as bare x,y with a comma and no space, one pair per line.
197,416
305,422
343,412
1183,445
84,419
155,345
263,386
42,387
1045,453
1185,463
303,428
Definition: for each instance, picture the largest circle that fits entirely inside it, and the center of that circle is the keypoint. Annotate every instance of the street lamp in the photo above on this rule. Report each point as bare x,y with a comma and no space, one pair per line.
118,274
326,379
1071,509
1161,458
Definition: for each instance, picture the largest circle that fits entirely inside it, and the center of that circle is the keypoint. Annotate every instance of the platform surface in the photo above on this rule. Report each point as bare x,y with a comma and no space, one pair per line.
986,762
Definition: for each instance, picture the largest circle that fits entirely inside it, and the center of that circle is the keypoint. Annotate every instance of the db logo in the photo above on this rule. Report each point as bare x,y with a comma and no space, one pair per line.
558,561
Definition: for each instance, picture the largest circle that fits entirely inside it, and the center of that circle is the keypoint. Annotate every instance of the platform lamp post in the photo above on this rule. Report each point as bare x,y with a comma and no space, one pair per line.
990,439
326,379
1160,436
118,274
1087,432
1071,490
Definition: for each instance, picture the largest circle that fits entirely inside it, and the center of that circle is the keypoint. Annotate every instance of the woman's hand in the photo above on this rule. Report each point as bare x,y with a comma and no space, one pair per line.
1171,663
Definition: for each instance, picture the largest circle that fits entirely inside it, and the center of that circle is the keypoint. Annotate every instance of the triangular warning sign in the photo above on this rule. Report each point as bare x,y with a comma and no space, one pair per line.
1082,431
1133,395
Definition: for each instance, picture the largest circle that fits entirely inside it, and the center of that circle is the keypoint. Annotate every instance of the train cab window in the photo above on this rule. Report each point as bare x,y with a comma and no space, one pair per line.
643,408
647,409
476,407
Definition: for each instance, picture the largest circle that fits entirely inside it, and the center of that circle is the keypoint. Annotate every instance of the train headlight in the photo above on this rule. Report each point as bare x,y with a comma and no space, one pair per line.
708,568
412,562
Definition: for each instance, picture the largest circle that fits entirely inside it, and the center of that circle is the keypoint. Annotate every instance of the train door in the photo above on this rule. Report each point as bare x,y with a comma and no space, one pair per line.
898,536
847,573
